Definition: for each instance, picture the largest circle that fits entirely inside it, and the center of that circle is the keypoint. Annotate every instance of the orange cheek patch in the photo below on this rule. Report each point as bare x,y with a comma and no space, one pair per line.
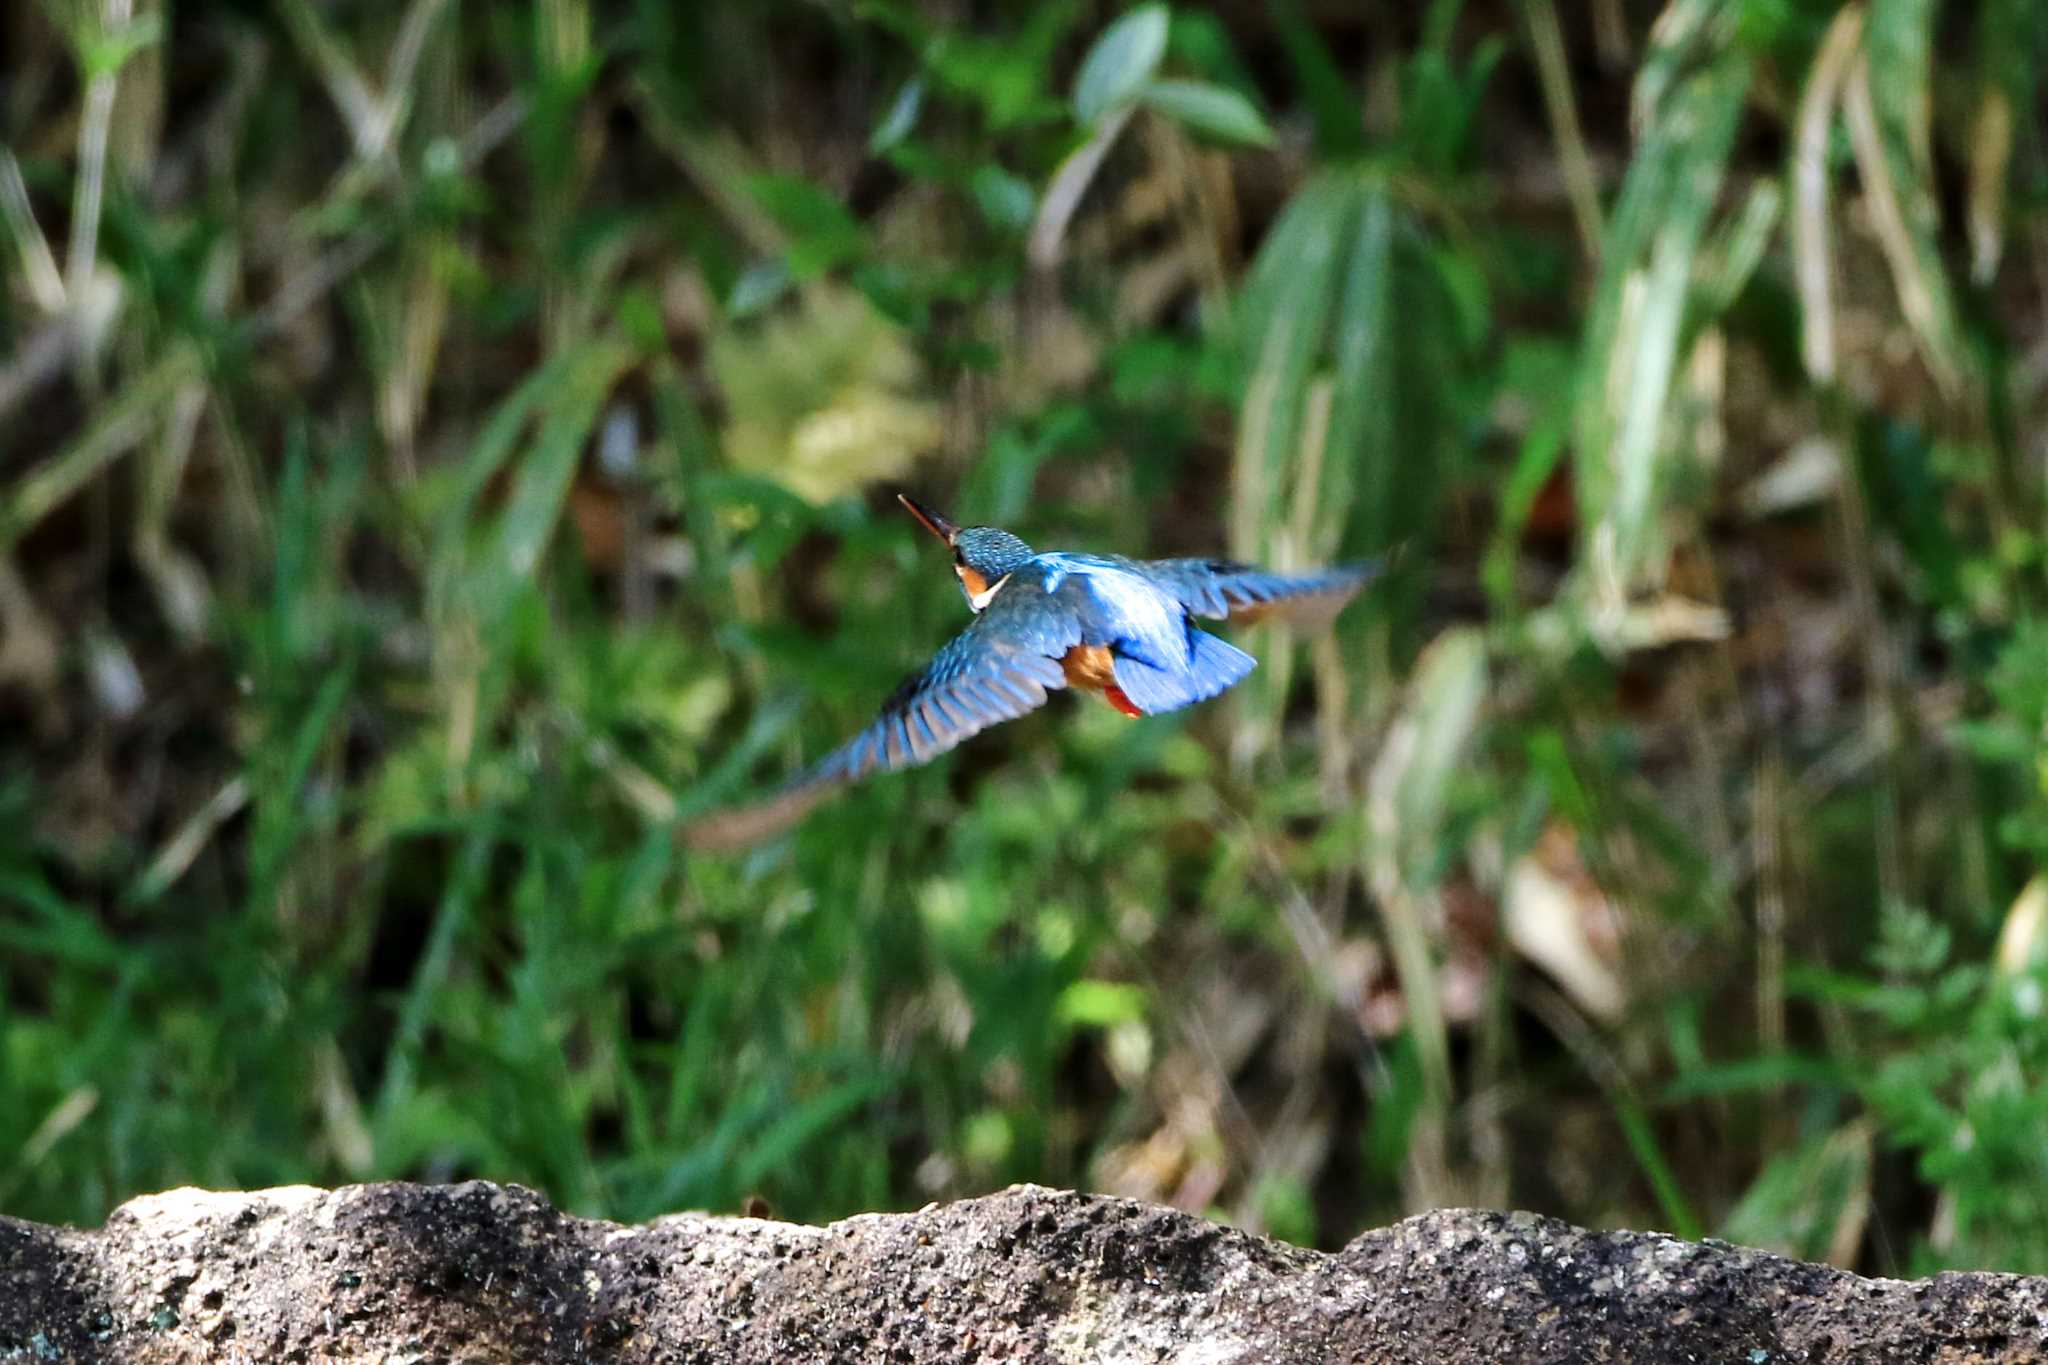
975,584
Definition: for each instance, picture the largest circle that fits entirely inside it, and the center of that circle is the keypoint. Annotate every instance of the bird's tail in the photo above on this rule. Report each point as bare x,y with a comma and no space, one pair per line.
1213,666
735,827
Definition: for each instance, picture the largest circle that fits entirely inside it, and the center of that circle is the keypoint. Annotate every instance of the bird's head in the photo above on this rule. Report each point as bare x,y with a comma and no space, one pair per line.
982,555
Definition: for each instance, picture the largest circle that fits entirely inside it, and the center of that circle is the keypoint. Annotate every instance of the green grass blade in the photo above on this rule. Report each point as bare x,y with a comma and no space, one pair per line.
542,483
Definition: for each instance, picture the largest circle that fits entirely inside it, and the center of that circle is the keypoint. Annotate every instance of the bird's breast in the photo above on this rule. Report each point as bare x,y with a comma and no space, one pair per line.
1089,667
1092,668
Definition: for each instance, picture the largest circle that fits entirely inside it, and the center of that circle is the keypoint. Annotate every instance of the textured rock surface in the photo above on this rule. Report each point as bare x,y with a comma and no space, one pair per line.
483,1272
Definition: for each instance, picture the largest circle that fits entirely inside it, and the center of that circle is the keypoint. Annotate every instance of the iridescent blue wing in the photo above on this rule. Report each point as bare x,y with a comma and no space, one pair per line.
1000,667
997,669
1223,589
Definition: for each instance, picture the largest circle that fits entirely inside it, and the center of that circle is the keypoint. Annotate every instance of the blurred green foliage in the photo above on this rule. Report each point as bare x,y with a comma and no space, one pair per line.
443,448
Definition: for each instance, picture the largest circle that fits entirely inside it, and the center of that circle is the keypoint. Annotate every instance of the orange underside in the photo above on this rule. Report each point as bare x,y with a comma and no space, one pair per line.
1114,695
1092,669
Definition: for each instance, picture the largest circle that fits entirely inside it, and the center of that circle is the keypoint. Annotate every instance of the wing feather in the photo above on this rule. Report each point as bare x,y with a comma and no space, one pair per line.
1003,665
1223,589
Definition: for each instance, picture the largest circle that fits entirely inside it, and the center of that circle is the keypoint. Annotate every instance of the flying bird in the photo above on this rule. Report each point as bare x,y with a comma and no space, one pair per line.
1123,628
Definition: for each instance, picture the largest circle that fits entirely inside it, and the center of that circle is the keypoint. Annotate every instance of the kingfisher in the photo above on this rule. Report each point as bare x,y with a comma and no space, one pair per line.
1046,620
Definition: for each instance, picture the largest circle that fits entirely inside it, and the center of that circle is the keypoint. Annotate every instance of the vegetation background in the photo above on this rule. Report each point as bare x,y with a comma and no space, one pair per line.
443,445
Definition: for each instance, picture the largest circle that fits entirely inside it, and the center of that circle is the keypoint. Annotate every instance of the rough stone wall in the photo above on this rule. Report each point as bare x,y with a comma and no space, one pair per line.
480,1272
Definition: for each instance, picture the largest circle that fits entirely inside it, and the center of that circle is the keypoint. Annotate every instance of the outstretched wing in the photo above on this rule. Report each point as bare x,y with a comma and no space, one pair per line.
1002,666
1224,589
997,669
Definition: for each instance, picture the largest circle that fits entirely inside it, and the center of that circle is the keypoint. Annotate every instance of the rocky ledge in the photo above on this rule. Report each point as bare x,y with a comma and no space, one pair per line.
481,1272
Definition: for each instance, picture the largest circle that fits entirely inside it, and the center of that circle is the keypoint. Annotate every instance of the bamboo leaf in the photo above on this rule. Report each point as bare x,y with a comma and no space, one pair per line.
1213,110
1888,119
1282,325
1122,60
1424,752
896,125
1330,101
1362,462
1637,327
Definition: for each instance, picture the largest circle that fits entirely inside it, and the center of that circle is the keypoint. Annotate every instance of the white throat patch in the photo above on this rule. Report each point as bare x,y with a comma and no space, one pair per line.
981,599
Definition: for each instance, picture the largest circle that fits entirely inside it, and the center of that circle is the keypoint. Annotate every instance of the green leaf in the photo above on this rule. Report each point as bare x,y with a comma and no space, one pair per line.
825,234
1212,110
901,118
759,288
1765,1071
540,488
1004,199
1098,1004
802,1123
1201,42
1331,102
1122,60
106,53
1365,458
494,446
1642,1140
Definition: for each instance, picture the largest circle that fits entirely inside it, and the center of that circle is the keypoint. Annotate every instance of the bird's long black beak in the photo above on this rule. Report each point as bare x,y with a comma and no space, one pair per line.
934,522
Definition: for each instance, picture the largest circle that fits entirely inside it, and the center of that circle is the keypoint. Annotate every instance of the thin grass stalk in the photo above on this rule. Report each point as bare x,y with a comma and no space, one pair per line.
308,287
28,642
562,53
38,362
1991,140
1837,71
360,110
1598,1061
248,518
82,258
1766,814
406,50
436,964
125,421
421,301
178,580
1812,230
1553,72
182,849
2009,52
1403,818
1610,34
38,264
1069,186
1916,276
